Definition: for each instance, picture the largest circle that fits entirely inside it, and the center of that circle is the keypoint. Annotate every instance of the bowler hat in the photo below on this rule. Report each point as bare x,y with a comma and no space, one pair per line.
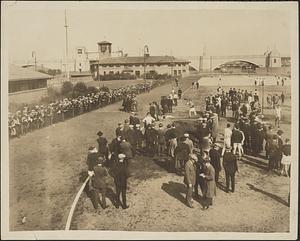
100,133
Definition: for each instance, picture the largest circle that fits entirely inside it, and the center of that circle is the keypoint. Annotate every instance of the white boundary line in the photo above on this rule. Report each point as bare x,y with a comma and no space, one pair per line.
68,224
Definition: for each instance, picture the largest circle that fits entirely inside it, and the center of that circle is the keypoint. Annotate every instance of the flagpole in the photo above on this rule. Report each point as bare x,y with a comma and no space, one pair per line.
66,26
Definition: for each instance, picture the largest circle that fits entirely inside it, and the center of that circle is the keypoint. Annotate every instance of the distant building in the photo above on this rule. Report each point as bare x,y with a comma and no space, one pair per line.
26,86
137,65
103,63
273,59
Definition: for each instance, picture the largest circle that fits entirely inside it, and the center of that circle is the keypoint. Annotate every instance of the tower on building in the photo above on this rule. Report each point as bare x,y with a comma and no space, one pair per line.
81,59
104,49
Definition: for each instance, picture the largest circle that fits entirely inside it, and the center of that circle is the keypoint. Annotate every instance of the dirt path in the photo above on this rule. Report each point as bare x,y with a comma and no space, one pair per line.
158,204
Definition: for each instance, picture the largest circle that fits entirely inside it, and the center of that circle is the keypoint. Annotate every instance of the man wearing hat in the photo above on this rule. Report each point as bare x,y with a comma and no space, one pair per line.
210,185
230,167
130,135
102,145
215,157
151,140
119,129
98,184
189,142
114,148
274,153
126,149
120,175
190,178
139,137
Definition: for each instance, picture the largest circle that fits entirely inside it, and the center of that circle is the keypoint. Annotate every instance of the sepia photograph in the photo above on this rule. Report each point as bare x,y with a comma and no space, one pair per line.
149,120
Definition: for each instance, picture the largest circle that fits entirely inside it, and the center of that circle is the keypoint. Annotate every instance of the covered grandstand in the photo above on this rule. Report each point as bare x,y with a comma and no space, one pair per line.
237,66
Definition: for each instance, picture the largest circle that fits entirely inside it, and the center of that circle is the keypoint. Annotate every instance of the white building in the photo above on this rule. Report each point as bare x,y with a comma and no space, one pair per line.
102,63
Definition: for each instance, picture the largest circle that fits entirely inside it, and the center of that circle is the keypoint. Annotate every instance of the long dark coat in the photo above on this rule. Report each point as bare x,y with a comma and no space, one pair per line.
210,189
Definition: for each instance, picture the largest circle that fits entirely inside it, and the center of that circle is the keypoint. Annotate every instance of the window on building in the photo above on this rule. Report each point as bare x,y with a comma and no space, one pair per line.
179,72
183,71
79,51
274,61
103,48
111,72
137,73
175,72
104,73
79,64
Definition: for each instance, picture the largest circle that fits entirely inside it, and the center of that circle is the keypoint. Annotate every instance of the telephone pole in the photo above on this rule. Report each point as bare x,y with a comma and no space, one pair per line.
66,26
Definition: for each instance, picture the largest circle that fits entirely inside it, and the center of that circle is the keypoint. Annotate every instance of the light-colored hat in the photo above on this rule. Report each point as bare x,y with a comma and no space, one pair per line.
137,125
130,126
121,156
186,135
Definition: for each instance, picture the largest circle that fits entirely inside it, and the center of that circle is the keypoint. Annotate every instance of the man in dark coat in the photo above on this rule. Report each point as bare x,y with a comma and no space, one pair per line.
274,153
230,167
179,93
126,149
139,137
151,140
210,185
102,145
170,104
134,120
119,130
190,178
215,158
114,148
131,139
98,184
120,174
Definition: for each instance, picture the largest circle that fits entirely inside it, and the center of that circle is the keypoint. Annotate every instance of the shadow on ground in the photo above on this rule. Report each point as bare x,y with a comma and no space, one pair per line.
271,195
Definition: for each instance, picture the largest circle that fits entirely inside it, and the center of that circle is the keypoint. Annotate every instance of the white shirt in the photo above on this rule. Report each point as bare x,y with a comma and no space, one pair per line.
148,120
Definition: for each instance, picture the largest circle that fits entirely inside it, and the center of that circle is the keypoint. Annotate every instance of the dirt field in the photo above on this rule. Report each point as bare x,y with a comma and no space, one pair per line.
44,179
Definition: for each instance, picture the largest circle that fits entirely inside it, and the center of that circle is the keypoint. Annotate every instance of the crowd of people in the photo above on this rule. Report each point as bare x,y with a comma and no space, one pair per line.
29,119
198,156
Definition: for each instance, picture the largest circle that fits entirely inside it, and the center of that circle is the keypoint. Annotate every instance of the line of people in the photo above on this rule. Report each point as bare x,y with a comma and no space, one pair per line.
29,119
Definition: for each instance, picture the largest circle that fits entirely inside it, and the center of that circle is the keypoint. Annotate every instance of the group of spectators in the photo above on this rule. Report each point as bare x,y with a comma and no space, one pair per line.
27,120
196,155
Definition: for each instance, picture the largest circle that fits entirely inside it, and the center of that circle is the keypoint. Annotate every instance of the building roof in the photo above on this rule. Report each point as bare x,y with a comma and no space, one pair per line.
140,60
16,73
104,42
80,74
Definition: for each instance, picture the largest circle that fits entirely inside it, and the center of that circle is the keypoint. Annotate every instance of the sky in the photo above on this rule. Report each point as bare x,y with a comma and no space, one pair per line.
167,29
